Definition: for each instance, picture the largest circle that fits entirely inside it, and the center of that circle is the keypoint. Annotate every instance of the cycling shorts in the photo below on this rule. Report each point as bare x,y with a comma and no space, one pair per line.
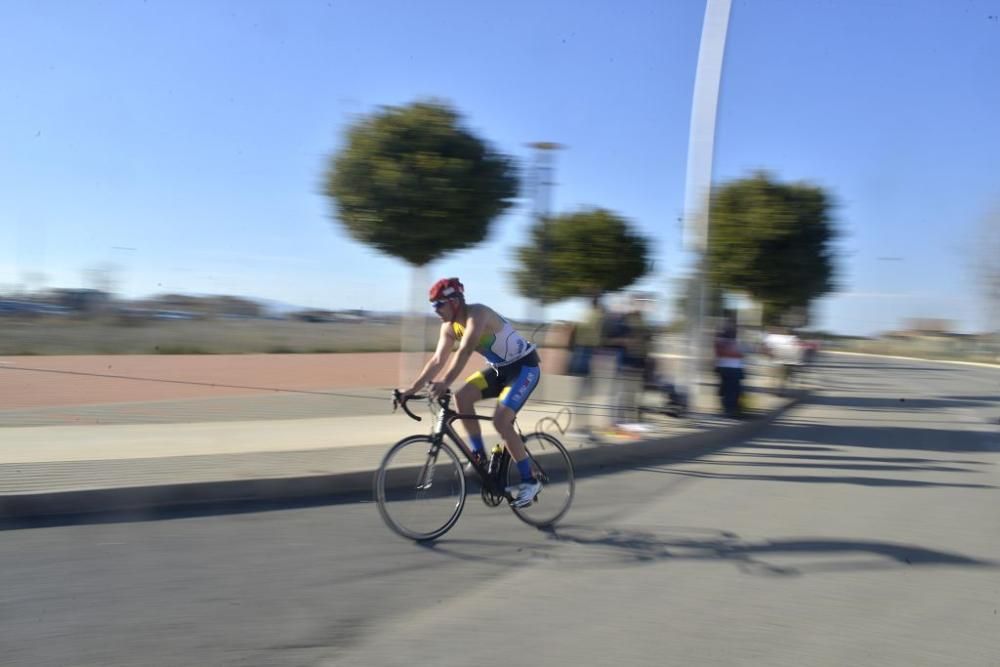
512,383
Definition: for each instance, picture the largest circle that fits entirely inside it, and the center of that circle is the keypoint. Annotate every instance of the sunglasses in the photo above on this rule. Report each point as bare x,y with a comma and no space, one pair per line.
439,304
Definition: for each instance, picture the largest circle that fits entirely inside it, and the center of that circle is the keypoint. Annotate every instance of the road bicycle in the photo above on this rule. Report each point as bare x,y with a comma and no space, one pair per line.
421,487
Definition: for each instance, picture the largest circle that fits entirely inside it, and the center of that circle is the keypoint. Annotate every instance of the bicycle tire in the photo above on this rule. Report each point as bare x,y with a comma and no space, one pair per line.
553,466
410,502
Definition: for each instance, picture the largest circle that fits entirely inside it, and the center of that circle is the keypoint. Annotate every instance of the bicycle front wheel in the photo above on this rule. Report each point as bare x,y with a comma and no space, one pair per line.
420,488
552,466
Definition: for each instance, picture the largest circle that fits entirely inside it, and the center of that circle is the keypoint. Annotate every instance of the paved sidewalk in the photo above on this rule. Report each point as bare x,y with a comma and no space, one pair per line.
134,456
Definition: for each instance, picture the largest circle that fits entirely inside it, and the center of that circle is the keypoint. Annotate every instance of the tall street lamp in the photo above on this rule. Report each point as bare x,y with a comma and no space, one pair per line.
542,177
697,195
543,171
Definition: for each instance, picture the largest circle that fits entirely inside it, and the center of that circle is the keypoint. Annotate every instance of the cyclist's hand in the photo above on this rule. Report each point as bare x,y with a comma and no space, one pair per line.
437,389
406,394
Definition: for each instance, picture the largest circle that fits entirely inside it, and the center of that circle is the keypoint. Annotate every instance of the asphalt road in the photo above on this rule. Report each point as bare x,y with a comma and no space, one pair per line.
863,528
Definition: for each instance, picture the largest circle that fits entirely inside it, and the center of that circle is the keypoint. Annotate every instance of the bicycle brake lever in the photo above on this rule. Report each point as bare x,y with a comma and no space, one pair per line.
397,401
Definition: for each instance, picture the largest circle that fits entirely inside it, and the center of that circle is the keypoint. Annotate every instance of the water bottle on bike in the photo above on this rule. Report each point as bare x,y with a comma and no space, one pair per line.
495,455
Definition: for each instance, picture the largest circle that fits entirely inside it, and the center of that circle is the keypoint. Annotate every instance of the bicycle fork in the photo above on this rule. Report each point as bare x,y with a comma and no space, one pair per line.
426,477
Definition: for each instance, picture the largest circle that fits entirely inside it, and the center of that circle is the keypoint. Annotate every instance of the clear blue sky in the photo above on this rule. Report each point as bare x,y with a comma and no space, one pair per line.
184,142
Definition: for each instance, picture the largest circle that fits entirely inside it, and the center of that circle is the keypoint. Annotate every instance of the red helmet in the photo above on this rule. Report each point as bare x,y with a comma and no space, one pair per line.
446,288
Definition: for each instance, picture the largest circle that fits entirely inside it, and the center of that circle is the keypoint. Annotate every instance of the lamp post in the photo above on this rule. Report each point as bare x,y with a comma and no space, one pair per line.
697,195
542,177
543,169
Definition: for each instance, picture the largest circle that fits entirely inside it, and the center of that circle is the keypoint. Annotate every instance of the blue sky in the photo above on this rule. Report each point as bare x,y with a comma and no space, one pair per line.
184,142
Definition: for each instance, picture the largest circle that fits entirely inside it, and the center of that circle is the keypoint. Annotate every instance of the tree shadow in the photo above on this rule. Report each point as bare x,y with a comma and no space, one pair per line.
986,400
901,402
818,479
616,546
801,448
172,512
840,457
885,437
873,465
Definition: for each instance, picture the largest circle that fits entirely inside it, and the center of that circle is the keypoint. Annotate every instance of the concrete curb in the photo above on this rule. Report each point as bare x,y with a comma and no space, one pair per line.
590,460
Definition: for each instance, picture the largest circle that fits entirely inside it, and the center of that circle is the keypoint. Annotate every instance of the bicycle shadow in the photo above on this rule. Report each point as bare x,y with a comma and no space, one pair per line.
814,555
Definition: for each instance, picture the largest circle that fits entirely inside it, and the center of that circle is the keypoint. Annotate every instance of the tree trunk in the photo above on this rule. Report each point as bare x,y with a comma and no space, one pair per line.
413,330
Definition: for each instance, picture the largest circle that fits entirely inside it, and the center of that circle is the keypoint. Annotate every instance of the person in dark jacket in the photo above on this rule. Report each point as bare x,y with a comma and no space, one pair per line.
729,367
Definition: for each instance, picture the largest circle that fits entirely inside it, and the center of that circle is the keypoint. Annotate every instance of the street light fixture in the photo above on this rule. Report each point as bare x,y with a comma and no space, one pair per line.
543,168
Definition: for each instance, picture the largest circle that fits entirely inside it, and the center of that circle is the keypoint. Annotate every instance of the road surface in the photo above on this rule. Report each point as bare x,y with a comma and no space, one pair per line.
862,528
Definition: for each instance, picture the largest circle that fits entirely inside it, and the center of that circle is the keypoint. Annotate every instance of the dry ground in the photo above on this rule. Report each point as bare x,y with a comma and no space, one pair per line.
53,335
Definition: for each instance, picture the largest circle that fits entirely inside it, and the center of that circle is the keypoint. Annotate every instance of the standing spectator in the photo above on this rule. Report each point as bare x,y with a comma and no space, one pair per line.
785,352
585,344
635,339
729,366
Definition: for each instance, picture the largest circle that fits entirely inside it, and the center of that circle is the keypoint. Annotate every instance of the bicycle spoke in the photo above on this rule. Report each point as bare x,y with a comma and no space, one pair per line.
553,467
420,493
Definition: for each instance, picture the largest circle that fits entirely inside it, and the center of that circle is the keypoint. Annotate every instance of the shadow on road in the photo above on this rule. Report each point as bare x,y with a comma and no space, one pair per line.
893,402
870,464
882,437
616,545
987,400
816,479
234,507
840,458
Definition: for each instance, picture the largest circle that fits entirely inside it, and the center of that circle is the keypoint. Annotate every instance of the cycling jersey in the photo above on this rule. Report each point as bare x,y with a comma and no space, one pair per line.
501,348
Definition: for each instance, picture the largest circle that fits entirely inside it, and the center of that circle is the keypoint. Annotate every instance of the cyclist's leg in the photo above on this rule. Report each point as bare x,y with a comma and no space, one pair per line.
515,394
465,400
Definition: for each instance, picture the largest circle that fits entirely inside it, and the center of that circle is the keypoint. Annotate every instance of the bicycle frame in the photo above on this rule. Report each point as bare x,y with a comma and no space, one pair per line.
443,428
494,474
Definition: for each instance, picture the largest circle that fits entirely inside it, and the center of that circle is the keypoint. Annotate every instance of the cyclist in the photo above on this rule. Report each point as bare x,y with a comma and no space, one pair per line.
511,376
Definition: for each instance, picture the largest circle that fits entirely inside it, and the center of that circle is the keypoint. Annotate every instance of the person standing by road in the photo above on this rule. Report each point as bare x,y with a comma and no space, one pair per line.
636,341
511,377
586,344
729,366
785,351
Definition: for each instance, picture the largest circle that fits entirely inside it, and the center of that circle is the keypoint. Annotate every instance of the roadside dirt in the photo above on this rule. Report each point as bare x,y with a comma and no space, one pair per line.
42,381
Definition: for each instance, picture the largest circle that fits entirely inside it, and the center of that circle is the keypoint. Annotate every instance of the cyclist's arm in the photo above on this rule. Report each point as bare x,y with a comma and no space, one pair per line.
475,326
446,341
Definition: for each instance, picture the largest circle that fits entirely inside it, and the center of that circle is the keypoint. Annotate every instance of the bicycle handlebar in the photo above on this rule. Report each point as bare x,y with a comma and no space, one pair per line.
399,401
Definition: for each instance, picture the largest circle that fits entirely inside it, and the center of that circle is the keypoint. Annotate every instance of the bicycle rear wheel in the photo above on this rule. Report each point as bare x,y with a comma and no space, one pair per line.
552,466
420,488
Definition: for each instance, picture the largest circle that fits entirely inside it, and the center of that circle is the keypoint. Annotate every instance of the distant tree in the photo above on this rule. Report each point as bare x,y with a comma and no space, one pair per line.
773,241
412,182
591,251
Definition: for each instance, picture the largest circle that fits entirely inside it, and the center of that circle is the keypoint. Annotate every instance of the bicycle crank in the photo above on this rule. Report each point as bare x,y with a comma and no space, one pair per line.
491,499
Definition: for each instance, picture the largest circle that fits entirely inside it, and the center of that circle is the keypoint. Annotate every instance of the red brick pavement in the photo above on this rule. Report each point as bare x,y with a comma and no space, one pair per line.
37,381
